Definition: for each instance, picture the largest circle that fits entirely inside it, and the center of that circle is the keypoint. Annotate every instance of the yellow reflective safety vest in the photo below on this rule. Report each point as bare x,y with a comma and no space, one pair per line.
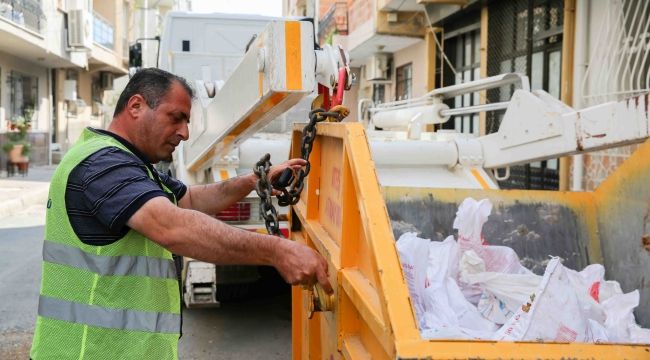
118,301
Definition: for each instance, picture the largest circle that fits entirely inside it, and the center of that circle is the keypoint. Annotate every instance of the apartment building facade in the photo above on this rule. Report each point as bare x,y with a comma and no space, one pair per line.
56,59
579,52
386,42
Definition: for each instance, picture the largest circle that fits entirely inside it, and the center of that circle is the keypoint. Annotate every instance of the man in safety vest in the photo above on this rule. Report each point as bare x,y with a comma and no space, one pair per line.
110,288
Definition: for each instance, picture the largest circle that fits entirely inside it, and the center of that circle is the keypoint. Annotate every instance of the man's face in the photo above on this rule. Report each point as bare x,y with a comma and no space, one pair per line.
167,125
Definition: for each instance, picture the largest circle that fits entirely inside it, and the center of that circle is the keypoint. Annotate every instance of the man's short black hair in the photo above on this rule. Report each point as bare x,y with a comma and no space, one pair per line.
153,84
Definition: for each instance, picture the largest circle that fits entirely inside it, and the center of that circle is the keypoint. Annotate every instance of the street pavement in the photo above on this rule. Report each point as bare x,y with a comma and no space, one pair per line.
257,328
20,193
22,216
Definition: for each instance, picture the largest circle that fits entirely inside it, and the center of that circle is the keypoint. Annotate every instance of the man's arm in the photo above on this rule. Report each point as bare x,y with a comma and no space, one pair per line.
196,235
213,198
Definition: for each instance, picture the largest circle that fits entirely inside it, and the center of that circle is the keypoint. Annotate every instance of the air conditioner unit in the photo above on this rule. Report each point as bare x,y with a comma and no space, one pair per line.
379,67
80,29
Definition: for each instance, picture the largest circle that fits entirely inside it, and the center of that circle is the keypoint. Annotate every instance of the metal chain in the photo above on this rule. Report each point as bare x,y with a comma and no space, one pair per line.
290,196
264,190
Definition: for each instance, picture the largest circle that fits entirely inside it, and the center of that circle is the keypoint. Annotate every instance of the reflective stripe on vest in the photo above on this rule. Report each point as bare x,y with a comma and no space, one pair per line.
94,315
108,265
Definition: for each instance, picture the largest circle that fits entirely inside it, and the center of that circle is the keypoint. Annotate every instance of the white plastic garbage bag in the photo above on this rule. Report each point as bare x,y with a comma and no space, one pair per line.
447,312
469,221
586,284
430,268
566,308
596,332
503,293
444,259
553,312
620,323
414,256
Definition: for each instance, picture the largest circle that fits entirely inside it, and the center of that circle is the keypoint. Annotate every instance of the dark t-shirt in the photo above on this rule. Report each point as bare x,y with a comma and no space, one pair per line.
108,187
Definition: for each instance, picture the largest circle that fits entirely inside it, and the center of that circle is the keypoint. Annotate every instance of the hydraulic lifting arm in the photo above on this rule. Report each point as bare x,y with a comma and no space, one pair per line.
280,67
536,126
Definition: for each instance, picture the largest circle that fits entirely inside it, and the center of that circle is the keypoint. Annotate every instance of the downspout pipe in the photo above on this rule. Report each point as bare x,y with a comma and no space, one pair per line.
580,68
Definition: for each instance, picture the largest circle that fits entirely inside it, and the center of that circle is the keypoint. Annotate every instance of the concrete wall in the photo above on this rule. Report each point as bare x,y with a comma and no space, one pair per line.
106,9
76,121
360,12
417,56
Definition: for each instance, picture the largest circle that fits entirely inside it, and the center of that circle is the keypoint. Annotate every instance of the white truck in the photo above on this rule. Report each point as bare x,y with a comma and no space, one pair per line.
249,70
241,68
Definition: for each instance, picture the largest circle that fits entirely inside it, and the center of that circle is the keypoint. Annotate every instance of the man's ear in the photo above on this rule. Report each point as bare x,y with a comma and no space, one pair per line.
136,105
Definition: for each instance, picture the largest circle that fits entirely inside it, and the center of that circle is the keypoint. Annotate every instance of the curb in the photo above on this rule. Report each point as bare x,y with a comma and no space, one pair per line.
32,197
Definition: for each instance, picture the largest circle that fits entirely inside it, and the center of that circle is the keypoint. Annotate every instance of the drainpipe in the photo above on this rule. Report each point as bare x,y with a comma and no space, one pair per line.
567,85
580,68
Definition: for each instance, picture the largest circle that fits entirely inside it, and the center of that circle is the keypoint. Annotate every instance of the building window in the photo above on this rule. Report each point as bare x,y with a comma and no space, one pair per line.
102,31
526,37
378,93
71,74
23,90
404,82
26,13
464,51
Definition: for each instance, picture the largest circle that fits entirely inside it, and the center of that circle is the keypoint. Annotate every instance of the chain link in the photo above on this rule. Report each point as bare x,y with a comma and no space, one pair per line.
264,190
290,196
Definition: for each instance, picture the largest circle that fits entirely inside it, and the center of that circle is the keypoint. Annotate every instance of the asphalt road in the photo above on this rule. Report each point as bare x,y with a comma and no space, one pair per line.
257,328
20,276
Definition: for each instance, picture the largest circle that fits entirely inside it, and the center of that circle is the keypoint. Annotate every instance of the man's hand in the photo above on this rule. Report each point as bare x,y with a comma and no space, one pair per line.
213,198
301,265
293,164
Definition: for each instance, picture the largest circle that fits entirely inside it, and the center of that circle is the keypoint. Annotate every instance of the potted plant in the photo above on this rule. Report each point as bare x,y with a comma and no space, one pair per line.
18,146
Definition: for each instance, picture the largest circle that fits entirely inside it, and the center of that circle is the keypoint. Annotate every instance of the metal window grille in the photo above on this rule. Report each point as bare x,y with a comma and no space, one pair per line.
525,36
378,93
619,63
103,32
27,13
404,82
618,68
463,49
23,93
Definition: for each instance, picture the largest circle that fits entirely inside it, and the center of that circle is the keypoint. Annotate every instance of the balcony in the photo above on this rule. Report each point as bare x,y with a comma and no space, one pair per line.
25,13
372,29
108,52
103,32
335,21
415,5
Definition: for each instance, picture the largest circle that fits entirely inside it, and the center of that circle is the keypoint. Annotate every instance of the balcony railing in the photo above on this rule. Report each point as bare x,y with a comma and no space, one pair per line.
103,32
335,20
26,13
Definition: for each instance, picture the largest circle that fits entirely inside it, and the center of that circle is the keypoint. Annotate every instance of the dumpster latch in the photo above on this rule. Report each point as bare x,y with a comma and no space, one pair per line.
319,300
